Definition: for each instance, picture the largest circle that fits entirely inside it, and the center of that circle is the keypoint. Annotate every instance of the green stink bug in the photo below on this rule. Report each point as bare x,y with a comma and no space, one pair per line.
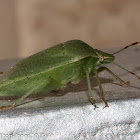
54,68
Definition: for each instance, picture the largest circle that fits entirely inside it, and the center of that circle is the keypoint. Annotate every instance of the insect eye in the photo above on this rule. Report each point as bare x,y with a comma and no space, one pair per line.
101,58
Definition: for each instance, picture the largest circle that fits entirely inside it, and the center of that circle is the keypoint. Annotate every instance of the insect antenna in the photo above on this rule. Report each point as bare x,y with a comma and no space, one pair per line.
135,43
127,70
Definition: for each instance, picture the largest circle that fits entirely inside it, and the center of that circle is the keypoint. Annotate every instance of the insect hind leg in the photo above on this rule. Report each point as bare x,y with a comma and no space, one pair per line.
18,101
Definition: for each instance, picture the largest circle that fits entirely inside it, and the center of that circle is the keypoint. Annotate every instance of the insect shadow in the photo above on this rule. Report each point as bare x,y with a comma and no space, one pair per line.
82,86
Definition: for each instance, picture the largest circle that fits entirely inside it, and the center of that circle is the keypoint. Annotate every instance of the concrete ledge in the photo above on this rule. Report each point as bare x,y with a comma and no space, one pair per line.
71,116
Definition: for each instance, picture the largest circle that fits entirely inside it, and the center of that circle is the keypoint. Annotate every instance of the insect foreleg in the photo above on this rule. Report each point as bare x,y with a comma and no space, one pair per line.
101,89
114,75
90,97
23,97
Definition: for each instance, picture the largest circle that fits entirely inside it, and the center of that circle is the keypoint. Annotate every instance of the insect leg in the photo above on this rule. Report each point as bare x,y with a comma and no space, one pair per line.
114,75
101,89
1,72
23,97
90,97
